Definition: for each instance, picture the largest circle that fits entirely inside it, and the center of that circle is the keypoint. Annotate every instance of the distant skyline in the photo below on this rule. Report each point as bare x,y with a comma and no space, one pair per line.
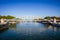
30,8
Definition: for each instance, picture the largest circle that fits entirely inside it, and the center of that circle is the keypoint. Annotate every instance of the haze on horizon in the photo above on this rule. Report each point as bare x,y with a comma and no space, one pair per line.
30,8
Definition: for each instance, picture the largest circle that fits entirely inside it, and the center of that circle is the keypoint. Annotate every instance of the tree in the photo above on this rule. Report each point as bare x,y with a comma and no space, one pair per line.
0,16
47,17
10,17
7,17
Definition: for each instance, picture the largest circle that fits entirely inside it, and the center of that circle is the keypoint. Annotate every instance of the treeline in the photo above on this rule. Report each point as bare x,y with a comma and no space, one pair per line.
7,17
48,17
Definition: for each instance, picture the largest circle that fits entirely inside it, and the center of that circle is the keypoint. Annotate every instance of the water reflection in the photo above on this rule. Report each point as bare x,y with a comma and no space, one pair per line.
30,31
12,26
3,28
53,28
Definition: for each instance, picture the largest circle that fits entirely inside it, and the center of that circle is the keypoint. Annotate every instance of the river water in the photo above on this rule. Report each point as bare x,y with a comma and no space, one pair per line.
30,31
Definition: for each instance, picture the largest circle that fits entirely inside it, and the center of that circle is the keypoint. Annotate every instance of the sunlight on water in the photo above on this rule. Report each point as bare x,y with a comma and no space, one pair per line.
30,31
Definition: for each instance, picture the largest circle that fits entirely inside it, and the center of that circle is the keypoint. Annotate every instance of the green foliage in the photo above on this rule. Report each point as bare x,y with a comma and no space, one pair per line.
7,17
58,18
47,17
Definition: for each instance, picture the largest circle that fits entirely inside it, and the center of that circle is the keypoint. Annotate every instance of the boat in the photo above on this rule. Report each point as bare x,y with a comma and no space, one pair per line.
55,24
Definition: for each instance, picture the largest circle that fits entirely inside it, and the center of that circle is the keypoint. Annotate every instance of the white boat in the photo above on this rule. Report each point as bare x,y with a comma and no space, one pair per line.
3,22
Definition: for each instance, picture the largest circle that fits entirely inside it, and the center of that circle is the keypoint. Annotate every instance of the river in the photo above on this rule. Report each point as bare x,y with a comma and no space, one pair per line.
30,31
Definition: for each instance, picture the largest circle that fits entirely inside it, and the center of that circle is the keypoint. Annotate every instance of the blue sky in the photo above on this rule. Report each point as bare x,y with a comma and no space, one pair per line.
29,8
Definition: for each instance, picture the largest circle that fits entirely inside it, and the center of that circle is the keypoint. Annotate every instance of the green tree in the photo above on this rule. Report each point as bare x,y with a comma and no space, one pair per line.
10,17
47,17
7,17
0,16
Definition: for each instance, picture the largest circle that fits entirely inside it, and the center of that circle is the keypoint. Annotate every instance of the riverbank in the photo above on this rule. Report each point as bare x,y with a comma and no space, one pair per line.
30,31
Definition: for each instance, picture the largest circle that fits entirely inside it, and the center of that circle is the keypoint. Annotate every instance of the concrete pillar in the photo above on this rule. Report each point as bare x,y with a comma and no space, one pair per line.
54,20
2,20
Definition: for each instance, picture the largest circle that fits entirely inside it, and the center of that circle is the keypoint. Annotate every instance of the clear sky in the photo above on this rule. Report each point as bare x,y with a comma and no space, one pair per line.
29,8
